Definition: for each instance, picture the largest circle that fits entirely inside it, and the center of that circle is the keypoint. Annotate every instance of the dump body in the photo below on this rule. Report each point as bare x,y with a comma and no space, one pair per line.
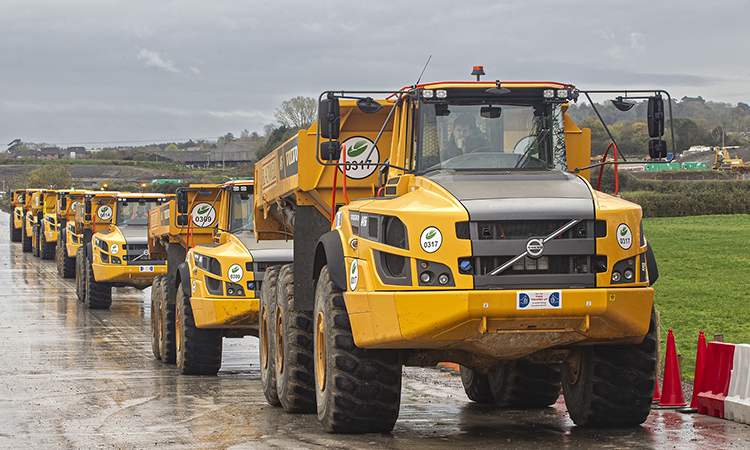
18,206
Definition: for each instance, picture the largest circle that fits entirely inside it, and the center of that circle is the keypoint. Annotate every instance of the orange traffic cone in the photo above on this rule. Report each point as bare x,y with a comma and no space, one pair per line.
672,385
657,392
700,362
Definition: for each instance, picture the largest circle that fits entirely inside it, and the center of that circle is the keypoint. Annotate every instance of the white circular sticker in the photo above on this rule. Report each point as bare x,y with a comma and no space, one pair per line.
104,212
362,157
431,239
75,205
353,275
624,236
203,215
235,273
114,248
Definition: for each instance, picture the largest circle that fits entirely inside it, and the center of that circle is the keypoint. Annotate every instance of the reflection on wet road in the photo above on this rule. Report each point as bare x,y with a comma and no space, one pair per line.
77,378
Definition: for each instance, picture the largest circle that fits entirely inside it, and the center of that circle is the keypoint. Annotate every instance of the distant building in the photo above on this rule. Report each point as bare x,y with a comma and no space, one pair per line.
49,153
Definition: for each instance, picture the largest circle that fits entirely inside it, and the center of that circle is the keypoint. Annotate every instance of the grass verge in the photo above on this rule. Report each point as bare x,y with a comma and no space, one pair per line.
704,279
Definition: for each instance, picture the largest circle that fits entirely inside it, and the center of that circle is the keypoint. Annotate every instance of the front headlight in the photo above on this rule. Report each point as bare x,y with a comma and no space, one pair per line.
207,263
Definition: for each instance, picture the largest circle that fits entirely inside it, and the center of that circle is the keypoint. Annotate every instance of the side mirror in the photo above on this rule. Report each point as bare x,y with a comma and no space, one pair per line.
88,206
63,202
182,220
655,117
329,118
490,112
330,150
657,148
182,202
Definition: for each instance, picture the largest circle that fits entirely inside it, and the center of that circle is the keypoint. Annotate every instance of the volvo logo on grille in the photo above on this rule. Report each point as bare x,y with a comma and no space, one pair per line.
535,247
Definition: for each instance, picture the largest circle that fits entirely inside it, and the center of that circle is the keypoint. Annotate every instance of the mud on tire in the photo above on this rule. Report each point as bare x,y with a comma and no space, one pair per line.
267,335
523,384
25,240
167,324
46,249
295,385
198,350
476,385
611,386
97,295
66,266
81,273
155,331
357,390
15,233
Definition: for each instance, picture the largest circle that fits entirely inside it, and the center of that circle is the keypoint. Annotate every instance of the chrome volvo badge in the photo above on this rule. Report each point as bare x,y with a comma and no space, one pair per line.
535,248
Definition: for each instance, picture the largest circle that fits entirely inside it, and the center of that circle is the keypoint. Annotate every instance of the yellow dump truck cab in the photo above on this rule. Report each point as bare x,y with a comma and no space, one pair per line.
17,214
67,239
117,254
217,284
464,229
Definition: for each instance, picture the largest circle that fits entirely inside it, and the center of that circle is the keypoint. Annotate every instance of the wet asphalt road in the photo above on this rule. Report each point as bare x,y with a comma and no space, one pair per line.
78,379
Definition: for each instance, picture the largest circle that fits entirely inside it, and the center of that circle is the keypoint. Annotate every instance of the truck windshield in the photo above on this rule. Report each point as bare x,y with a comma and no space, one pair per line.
135,212
241,219
483,137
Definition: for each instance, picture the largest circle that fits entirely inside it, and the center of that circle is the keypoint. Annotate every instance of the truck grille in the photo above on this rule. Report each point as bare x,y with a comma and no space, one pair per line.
567,261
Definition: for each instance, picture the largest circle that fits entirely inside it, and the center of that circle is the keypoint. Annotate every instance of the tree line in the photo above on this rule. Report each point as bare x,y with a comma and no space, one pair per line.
696,122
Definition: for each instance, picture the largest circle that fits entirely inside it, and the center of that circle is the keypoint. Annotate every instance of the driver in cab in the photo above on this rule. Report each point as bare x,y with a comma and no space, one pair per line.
466,137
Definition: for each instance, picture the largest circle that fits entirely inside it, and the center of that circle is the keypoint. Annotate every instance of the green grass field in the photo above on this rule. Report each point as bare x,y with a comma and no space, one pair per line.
704,279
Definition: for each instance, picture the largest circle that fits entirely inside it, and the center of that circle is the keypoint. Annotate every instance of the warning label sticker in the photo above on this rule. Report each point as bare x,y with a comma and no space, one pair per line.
539,300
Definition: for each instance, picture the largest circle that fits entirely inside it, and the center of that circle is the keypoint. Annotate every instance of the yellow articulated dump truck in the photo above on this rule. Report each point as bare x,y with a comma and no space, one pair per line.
67,239
34,215
17,203
117,254
454,221
215,273
49,227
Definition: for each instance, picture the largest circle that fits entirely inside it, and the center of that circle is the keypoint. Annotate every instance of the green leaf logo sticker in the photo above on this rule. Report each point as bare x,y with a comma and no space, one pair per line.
623,231
204,209
105,209
431,239
235,273
357,149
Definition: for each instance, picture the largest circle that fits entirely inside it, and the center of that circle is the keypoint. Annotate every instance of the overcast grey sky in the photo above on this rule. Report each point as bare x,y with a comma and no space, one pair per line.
106,72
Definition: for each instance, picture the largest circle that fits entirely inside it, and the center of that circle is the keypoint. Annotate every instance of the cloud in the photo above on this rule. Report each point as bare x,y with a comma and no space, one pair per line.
154,60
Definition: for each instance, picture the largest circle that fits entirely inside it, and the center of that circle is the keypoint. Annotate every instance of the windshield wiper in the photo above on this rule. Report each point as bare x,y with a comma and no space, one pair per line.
525,157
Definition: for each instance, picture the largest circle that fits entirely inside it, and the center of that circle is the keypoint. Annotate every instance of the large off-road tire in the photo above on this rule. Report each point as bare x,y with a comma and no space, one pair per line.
81,273
267,335
476,386
293,341
25,240
15,233
198,350
357,390
523,384
66,265
35,242
46,249
611,385
98,295
167,325
155,319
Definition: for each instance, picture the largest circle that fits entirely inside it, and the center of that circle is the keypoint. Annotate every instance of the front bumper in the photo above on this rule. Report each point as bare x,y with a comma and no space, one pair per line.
222,312
140,276
490,322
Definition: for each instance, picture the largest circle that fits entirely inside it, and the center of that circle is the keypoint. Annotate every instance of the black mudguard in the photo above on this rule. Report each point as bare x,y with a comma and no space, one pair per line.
330,252
653,271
